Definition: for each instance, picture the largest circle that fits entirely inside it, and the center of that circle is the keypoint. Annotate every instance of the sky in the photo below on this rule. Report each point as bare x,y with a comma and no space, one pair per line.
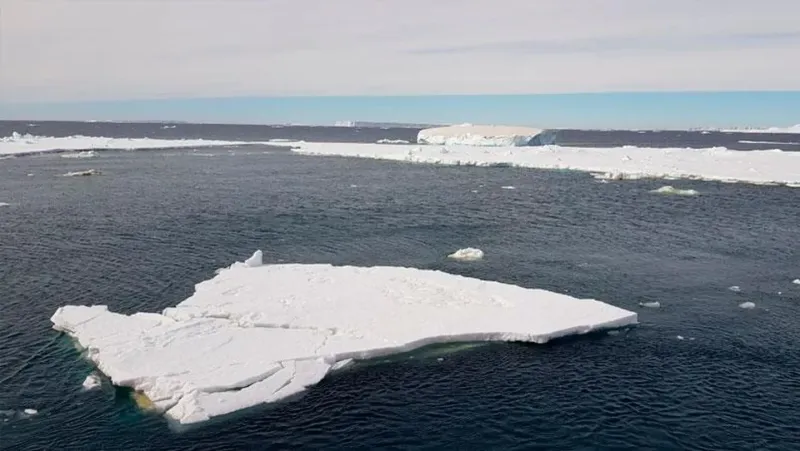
623,63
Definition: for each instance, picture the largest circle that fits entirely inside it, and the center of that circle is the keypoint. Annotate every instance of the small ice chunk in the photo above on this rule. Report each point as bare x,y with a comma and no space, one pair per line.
91,382
468,254
653,304
392,141
667,189
255,260
4,204
508,187
747,305
30,175
30,411
735,288
83,173
84,154
796,281
680,337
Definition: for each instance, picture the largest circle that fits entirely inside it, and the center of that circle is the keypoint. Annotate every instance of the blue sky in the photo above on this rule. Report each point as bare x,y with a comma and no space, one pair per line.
316,61
594,110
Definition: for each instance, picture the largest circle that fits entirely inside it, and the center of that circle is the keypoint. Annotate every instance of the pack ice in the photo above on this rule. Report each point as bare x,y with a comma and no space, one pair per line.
485,136
258,333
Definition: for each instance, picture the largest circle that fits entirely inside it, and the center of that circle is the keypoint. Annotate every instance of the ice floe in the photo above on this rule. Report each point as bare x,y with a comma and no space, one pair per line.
735,288
28,144
392,141
4,204
792,129
667,189
747,305
653,304
85,173
769,167
259,334
796,281
467,254
485,135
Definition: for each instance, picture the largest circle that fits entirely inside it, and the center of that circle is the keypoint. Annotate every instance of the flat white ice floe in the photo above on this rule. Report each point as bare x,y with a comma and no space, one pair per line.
468,254
259,334
654,304
91,382
485,135
392,141
769,167
4,204
796,281
747,305
28,144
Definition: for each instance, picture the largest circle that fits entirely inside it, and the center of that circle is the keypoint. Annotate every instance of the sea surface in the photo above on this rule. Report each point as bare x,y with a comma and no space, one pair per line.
698,373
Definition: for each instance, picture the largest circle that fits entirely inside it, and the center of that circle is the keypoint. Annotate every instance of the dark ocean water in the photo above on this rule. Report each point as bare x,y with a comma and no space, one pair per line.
155,223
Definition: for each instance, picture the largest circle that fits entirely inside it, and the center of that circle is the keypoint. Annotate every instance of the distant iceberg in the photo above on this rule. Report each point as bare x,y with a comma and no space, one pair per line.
257,333
777,130
485,136
667,189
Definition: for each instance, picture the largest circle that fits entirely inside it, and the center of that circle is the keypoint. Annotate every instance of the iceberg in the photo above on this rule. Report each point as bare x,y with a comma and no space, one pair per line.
85,173
259,333
667,189
765,167
27,144
485,135
777,130
84,154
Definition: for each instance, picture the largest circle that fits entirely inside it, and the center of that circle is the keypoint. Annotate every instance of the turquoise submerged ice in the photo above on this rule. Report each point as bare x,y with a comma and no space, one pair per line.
258,333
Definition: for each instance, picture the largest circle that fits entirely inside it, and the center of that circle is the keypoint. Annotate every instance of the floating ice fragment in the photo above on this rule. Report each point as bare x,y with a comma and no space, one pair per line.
735,288
4,204
467,254
654,304
91,382
392,141
680,337
485,136
85,154
30,411
667,189
508,187
83,173
796,281
747,305
254,335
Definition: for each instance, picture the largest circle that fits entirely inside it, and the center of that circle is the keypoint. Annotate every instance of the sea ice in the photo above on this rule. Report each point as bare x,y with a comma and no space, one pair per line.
485,135
4,204
84,154
30,411
85,173
509,187
254,335
796,281
29,144
392,141
654,304
716,164
747,305
91,382
667,189
792,129
467,254
735,288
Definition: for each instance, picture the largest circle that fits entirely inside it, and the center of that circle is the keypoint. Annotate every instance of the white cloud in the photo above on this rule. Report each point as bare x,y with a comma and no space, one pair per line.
120,49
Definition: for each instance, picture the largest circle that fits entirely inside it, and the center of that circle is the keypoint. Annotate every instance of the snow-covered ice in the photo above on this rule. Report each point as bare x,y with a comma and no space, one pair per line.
747,305
508,187
652,304
4,204
485,135
467,254
735,288
254,335
28,144
667,189
85,173
796,281
30,411
618,163
392,141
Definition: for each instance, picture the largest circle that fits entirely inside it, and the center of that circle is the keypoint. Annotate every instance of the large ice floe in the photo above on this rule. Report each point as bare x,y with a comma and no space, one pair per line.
777,130
18,144
257,334
618,163
485,135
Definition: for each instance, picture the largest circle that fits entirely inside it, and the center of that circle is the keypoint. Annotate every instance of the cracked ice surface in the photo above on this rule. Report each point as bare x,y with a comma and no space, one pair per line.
256,334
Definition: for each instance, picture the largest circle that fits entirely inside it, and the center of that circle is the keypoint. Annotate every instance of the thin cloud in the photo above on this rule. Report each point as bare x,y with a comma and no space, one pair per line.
130,49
